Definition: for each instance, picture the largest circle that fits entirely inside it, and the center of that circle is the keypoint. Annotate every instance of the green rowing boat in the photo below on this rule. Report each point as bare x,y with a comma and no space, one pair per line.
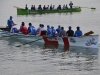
21,11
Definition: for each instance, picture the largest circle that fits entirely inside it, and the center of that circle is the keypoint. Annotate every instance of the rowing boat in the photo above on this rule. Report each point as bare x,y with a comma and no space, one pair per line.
21,11
90,41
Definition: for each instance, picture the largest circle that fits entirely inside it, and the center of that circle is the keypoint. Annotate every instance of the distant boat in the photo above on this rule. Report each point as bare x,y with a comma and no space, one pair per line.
21,11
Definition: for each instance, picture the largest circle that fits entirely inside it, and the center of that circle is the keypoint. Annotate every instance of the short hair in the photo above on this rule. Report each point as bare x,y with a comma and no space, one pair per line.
78,27
62,28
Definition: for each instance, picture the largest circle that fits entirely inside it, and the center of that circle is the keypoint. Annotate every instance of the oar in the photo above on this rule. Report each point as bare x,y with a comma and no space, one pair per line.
88,33
17,7
85,7
29,42
89,8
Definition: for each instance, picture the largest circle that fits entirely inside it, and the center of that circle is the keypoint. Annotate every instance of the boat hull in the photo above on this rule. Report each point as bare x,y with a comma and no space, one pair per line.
21,11
90,41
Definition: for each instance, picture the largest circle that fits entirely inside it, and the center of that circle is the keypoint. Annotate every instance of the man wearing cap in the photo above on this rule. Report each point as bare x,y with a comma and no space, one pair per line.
10,23
78,32
70,32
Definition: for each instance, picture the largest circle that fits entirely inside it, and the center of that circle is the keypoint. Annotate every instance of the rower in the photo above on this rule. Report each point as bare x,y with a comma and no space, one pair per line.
23,28
48,30
62,32
53,32
26,7
39,7
38,29
78,32
33,7
70,32
42,31
58,29
44,8
14,29
31,29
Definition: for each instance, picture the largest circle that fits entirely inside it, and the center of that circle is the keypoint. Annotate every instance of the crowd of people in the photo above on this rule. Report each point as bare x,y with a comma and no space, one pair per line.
50,30
51,7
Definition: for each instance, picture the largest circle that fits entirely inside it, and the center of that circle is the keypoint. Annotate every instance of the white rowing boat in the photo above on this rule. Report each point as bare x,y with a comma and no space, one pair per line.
90,41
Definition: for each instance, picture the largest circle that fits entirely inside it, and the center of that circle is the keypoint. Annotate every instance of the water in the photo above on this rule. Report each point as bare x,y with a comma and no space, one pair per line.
41,59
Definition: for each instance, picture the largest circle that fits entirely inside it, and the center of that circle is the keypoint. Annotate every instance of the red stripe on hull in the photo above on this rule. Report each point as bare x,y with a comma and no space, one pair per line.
49,41
66,42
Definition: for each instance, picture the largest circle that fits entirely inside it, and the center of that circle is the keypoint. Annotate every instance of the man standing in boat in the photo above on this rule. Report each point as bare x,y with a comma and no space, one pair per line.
70,4
10,23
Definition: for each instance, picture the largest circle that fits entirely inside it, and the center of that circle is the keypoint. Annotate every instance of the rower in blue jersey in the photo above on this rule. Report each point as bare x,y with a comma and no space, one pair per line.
53,32
10,22
38,29
58,29
48,30
78,32
31,29
14,29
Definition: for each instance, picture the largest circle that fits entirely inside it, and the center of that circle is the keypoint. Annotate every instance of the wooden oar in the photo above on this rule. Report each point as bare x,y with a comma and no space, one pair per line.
17,7
29,42
88,33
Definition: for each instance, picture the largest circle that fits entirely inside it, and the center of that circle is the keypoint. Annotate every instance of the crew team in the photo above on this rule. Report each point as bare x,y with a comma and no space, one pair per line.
51,31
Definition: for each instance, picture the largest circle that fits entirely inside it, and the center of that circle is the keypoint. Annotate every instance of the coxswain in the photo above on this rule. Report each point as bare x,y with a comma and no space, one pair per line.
10,23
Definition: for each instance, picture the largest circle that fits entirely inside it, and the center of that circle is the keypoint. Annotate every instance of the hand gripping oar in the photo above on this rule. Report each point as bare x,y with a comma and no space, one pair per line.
29,42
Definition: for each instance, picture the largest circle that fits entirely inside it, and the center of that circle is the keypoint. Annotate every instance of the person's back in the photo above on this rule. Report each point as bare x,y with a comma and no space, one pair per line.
32,8
42,31
24,29
44,8
26,7
62,32
31,29
53,32
14,29
39,7
48,30
78,32
51,7
58,29
70,32
38,29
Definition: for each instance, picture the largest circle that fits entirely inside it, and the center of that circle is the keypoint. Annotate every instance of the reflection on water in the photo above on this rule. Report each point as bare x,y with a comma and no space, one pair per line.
45,59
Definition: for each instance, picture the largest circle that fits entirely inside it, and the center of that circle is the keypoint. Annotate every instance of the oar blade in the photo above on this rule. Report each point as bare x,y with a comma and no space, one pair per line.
93,8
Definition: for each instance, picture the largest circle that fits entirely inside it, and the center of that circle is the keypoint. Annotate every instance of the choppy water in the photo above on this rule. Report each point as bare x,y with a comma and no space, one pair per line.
41,59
